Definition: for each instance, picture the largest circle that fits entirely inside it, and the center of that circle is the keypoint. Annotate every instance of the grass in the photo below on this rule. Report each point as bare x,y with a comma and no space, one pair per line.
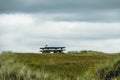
109,71
84,65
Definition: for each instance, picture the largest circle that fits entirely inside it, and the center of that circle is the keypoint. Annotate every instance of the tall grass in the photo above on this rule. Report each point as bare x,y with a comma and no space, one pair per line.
13,70
109,71
86,65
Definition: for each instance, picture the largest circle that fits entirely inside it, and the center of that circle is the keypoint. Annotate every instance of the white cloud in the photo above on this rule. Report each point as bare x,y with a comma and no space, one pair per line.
23,32
111,45
15,19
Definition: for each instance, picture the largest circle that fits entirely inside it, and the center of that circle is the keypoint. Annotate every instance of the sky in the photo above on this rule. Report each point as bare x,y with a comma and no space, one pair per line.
27,25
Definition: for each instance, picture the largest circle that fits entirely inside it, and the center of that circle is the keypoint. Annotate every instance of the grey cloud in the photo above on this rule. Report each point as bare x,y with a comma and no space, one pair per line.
79,10
58,5
90,17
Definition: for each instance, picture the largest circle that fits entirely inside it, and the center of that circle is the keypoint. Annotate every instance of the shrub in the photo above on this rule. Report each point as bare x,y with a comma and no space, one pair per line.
108,71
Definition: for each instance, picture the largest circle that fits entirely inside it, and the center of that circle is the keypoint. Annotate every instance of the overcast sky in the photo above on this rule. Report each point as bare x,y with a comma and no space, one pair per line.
27,25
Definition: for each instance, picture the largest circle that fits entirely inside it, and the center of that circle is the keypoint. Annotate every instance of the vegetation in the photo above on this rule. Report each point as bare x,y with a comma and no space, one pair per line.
84,65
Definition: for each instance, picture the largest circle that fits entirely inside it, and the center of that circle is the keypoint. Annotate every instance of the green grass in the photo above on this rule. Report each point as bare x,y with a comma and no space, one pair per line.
84,65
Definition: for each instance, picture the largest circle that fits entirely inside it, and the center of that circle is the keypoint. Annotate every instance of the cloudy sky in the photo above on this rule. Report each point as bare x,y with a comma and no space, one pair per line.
26,25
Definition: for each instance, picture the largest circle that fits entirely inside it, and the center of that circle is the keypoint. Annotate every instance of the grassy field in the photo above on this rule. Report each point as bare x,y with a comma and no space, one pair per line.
84,65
